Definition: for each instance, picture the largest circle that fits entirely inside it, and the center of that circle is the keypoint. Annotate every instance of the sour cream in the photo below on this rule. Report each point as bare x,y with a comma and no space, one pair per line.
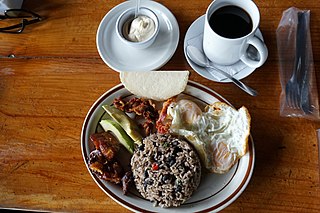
141,28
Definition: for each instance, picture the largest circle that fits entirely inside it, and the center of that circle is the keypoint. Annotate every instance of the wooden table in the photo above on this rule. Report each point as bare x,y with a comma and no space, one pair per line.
51,74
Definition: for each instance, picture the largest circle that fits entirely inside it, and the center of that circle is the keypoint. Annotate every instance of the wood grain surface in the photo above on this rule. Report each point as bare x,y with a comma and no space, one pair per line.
51,74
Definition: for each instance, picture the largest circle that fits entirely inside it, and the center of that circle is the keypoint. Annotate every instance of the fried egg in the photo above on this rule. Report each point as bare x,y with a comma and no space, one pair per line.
184,113
219,133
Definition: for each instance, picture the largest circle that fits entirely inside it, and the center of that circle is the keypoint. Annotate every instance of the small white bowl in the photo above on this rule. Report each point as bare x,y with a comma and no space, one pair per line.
126,17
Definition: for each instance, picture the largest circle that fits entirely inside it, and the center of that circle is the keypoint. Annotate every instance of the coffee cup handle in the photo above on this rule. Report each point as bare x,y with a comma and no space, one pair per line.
262,50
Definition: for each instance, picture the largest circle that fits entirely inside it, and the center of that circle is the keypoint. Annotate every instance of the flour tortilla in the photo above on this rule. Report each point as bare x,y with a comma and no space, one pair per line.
155,85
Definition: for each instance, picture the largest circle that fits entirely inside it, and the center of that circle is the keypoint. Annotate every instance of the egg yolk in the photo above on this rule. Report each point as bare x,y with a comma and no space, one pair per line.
189,111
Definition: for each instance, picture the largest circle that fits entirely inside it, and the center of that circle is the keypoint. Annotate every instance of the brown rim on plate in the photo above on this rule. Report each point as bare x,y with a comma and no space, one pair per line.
121,201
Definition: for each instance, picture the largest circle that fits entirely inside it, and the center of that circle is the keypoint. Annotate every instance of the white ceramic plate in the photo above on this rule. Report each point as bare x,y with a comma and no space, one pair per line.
121,57
215,191
194,37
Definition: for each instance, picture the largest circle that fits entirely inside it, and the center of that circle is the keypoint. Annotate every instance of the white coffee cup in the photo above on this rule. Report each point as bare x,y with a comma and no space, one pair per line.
227,51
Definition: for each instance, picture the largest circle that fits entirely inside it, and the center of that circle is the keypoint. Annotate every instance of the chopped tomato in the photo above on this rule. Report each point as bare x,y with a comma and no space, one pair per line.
155,166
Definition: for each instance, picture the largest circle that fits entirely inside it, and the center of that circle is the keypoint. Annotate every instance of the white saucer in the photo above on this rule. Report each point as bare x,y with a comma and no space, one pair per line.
194,37
120,57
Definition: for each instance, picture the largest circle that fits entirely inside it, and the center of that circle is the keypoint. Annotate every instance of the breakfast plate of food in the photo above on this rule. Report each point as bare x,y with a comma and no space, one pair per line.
176,149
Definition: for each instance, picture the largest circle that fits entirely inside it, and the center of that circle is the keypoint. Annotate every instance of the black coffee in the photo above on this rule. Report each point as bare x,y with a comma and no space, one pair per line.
231,22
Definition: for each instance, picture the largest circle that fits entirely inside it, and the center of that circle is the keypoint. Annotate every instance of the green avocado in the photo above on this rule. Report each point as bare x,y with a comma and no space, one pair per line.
116,129
129,126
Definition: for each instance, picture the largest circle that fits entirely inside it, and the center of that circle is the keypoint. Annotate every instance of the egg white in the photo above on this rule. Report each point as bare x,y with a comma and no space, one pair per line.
219,134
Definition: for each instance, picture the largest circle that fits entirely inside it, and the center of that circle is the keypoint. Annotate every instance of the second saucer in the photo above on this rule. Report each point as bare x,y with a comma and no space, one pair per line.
194,37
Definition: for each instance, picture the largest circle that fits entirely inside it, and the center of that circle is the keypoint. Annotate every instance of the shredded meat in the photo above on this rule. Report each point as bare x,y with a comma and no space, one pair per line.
164,122
141,107
106,143
96,161
102,161
127,181
119,104
148,127
104,169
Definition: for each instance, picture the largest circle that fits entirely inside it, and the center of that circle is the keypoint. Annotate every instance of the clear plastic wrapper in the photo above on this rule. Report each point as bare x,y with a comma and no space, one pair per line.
299,96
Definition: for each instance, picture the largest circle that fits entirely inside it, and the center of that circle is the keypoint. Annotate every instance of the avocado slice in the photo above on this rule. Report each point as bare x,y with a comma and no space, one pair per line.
129,126
116,129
